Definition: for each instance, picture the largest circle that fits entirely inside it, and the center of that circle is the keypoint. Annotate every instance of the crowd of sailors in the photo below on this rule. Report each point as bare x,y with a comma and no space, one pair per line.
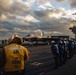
63,50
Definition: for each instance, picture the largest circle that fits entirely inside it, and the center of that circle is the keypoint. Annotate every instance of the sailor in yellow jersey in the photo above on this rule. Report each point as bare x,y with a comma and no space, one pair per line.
15,55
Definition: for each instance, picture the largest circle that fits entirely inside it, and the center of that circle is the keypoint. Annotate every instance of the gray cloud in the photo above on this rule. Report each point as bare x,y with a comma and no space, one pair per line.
13,18
59,0
72,3
11,8
52,22
43,1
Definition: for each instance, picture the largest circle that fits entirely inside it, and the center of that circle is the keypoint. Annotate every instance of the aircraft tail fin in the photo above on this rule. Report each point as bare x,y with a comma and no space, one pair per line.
50,34
42,34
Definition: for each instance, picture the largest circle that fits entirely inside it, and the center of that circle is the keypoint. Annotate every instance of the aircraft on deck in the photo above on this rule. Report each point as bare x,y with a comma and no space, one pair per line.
38,38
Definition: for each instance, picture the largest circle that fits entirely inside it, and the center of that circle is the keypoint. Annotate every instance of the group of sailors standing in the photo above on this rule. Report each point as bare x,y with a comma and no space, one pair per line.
62,50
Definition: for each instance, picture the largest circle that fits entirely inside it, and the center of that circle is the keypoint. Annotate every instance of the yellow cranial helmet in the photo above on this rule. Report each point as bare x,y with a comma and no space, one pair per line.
14,36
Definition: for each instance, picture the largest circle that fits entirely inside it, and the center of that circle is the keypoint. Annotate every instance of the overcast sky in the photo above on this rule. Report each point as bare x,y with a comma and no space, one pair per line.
32,16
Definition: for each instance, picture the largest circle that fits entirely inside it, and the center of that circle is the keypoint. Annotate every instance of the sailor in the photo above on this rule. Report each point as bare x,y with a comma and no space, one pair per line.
70,49
65,51
74,47
55,52
60,46
15,56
